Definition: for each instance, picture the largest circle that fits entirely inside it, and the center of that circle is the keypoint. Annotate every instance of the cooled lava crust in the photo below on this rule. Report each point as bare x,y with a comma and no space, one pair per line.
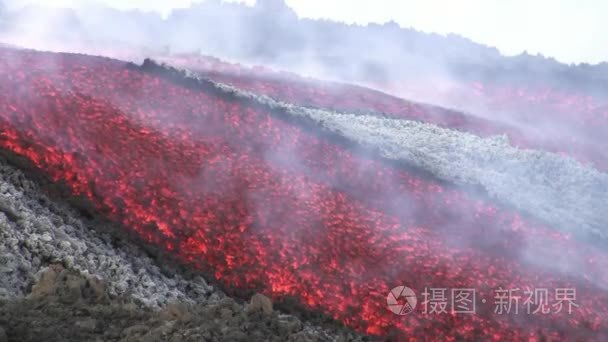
265,204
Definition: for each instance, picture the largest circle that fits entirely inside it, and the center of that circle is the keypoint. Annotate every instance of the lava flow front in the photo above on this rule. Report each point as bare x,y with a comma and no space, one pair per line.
266,205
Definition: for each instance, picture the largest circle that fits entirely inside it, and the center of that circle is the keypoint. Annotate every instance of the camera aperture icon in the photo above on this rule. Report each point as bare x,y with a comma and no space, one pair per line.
401,300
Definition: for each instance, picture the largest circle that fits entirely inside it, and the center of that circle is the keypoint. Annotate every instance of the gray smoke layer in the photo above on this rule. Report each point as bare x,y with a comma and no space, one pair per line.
556,189
271,33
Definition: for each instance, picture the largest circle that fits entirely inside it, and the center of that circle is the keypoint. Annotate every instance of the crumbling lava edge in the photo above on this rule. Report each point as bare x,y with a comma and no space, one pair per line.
42,224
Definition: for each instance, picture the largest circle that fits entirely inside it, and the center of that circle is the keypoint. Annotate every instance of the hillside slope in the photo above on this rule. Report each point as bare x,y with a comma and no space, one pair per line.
273,197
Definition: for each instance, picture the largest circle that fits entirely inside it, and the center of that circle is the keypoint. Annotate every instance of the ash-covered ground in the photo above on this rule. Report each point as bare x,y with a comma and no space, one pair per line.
66,275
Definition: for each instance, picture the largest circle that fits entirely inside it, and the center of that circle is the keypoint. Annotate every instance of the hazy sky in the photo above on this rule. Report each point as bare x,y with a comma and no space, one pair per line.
571,31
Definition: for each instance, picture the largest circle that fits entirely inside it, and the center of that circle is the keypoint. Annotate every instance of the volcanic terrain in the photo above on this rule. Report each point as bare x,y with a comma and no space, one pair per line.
320,196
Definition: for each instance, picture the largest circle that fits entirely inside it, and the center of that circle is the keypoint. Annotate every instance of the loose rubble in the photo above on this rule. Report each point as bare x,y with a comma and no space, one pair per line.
67,306
36,231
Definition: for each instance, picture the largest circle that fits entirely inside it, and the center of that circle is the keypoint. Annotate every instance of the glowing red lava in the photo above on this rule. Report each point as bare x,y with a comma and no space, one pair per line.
267,205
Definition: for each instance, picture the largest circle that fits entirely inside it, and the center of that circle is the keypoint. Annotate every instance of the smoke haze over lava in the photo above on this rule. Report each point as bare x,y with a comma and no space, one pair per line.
419,161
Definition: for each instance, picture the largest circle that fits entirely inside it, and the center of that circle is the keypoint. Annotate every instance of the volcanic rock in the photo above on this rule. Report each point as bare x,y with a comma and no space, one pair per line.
68,306
259,302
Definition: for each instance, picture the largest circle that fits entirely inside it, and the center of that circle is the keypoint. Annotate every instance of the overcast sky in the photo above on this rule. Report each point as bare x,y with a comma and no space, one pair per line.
572,31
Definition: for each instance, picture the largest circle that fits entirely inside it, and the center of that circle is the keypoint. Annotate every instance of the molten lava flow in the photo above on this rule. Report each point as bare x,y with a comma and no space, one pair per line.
265,205
576,123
